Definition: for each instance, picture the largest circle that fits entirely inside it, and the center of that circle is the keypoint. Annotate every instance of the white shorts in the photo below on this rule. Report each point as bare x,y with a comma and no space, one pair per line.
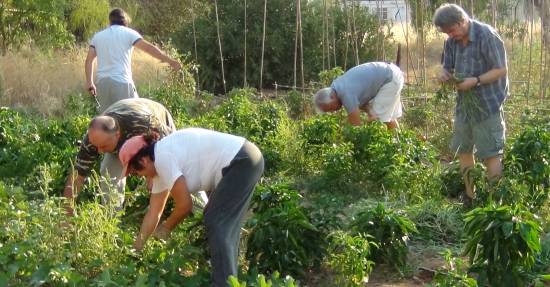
386,106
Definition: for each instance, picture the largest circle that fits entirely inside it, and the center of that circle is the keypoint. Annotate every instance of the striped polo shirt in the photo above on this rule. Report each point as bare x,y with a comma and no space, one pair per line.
484,51
134,116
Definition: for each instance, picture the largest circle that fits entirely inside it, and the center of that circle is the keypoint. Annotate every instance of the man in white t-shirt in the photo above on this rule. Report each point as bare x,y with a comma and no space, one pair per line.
228,167
113,48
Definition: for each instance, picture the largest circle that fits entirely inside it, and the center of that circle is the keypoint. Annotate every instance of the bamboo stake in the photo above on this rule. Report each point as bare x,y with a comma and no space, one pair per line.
245,32
296,45
301,45
334,33
220,44
530,50
348,31
356,50
263,48
195,44
323,43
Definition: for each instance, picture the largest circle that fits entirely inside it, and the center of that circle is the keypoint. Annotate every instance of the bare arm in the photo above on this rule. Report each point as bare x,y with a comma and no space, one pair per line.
354,118
157,53
183,202
89,70
157,201
489,77
73,185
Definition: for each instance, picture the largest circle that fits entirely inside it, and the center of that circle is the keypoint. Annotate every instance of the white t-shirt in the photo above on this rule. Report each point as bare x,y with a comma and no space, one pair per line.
197,154
114,47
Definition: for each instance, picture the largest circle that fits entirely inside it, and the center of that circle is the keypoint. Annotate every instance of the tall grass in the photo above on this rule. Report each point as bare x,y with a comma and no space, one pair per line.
40,82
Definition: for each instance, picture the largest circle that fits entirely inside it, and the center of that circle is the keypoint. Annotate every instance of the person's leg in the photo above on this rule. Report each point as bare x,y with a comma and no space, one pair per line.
226,208
494,168
466,164
462,146
110,91
111,185
489,141
386,106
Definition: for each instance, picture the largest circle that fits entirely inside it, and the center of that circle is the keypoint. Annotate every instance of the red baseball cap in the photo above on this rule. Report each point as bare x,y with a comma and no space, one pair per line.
128,150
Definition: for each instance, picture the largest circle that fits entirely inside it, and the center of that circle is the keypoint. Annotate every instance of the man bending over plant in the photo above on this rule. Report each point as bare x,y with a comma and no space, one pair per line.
475,52
373,87
106,134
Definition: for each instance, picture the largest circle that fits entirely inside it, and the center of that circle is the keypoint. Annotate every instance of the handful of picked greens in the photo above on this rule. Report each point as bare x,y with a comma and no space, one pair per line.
468,100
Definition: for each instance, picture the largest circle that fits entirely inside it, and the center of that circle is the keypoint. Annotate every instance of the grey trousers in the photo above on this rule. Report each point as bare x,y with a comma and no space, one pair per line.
226,208
110,91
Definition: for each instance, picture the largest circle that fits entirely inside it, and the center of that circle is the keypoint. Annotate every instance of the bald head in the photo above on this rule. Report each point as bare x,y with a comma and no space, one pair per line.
103,133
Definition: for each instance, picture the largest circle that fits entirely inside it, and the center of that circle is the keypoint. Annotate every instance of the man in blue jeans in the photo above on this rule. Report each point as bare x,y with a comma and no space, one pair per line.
475,51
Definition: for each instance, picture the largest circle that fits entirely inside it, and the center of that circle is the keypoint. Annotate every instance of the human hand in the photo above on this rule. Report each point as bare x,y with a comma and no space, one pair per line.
444,75
175,65
467,84
138,244
91,89
161,232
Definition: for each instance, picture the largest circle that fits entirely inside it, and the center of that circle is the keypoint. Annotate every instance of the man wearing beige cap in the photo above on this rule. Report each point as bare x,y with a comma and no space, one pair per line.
372,87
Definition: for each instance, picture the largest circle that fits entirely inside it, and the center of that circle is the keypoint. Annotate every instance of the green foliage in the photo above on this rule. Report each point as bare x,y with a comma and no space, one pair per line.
281,237
502,242
348,255
297,102
451,177
264,123
39,22
437,221
279,51
390,231
327,76
529,156
261,281
338,165
454,274
177,93
28,146
87,17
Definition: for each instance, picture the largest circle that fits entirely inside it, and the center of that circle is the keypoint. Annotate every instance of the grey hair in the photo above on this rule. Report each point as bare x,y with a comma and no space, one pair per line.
322,97
449,14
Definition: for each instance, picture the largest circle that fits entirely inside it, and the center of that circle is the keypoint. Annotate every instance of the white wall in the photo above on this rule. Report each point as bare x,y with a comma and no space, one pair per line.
396,9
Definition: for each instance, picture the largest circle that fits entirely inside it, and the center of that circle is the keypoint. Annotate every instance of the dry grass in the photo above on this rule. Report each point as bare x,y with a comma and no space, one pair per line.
40,82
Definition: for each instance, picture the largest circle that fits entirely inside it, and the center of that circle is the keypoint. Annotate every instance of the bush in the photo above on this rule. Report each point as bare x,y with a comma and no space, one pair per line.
348,255
281,237
390,231
502,244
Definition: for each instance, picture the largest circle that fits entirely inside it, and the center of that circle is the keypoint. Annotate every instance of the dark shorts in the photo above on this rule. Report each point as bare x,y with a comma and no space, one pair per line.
485,138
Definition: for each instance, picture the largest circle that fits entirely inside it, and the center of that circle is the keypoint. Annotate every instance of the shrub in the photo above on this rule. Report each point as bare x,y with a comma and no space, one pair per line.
390,231
502,243
281,237
348,255
260,281
454,274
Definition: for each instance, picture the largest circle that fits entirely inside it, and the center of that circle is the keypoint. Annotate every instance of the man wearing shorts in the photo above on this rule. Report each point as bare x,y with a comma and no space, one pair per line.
475,52
372,87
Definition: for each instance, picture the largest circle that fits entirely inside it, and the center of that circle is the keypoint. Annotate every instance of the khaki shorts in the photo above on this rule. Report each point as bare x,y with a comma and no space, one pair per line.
485,138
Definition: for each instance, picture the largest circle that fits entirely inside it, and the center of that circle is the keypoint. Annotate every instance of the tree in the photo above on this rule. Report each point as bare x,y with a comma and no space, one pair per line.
40,22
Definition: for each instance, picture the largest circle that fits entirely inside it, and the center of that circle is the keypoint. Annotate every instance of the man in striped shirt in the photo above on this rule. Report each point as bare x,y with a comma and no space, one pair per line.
474,54
106,134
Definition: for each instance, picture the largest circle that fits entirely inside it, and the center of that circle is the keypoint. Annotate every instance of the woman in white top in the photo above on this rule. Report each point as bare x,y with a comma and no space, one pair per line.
228,167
